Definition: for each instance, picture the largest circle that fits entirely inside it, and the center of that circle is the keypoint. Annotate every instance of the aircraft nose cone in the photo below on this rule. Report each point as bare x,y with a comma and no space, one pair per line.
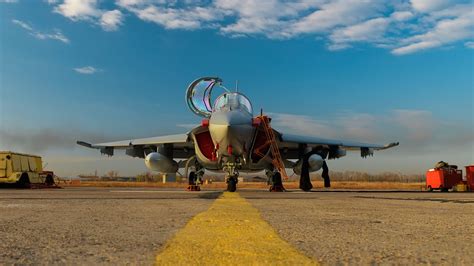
224,120
229,118
231,129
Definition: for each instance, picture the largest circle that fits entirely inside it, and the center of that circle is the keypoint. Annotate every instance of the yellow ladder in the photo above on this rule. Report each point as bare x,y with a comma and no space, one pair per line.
277,161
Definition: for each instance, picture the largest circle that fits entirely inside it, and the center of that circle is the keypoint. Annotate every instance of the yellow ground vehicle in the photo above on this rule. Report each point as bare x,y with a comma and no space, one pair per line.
23,169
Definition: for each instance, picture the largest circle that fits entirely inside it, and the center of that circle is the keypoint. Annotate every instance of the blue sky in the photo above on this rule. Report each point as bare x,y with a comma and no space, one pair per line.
376,71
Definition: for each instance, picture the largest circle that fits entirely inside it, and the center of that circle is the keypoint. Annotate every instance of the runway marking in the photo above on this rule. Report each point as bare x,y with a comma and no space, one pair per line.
230,232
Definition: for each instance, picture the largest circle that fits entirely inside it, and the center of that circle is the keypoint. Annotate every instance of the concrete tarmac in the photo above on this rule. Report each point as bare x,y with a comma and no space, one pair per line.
132,225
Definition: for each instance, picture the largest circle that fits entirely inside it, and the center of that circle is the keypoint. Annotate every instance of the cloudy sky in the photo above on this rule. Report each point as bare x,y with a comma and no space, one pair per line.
374,71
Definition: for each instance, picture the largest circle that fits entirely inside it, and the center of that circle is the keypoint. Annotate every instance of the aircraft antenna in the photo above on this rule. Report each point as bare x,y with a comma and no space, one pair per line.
237,86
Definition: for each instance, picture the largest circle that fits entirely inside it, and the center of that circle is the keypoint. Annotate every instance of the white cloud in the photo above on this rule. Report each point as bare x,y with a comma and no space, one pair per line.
87,70
270,18
361,126
111,20
302,124
419,125
56,35
177,18
22,24
418,131
370,30
78,9
402,26
446,31
130,3
402,15
338,46
336,13
429,5
469,45
88,10
9,1
344,125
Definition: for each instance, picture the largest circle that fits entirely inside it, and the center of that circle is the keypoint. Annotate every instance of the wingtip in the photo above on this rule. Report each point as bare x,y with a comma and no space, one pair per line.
393,144
85,144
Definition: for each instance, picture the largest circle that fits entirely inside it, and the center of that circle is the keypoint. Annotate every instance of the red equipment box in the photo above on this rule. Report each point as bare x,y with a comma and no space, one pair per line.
470,177
443,178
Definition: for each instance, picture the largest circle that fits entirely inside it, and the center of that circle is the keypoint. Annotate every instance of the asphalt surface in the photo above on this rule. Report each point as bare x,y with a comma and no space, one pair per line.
374,227
92,226
132,225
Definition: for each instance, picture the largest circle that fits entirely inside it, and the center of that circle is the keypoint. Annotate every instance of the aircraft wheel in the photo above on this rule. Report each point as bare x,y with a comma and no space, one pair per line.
276,179
232,184
192,179
430,189
277,184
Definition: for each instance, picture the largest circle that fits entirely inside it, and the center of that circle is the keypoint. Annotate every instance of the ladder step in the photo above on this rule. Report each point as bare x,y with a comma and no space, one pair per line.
277,161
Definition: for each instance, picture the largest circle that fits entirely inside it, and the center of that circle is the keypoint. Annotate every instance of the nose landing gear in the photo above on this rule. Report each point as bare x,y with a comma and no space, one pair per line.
232,183
232,176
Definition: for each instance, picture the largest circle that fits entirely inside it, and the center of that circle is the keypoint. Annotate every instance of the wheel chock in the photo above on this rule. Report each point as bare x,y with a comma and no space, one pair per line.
193,188
277,189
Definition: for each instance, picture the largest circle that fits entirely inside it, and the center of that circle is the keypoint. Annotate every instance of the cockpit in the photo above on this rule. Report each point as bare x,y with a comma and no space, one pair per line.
232,101
199,97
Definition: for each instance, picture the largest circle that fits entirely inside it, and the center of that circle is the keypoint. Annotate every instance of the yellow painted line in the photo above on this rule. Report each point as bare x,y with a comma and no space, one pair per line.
230,232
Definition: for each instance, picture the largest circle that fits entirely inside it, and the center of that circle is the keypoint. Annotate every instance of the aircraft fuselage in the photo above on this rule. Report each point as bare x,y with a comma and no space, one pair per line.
232,133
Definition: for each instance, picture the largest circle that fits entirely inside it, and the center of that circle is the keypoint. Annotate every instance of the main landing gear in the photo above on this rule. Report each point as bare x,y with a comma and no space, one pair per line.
195,178
305,181
193,182
275,181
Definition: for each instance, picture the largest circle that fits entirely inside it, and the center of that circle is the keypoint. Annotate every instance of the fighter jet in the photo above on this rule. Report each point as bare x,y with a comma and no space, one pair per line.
231,139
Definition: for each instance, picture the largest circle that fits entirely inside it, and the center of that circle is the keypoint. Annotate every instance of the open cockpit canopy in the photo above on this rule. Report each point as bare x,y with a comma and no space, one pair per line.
233,101
199,97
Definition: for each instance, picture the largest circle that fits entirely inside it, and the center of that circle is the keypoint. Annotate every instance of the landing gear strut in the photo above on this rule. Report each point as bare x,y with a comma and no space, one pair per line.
305,180
325,175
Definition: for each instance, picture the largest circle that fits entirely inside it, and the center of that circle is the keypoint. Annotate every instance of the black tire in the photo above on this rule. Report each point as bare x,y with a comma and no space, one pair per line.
24,181
49,181
232,184
192,179
276,180
429,188
444,190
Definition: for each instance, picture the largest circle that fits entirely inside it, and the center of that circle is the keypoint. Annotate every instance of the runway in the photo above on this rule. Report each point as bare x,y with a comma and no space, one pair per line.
142,226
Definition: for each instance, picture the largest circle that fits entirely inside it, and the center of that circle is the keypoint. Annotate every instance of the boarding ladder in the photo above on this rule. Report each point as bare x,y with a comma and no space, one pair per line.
277,161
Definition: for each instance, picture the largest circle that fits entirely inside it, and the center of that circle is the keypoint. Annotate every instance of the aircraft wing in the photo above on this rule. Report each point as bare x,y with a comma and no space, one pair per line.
291,142
138,147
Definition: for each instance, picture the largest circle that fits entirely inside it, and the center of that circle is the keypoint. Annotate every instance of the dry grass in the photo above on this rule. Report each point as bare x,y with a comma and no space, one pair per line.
254,185
339,180
355,176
